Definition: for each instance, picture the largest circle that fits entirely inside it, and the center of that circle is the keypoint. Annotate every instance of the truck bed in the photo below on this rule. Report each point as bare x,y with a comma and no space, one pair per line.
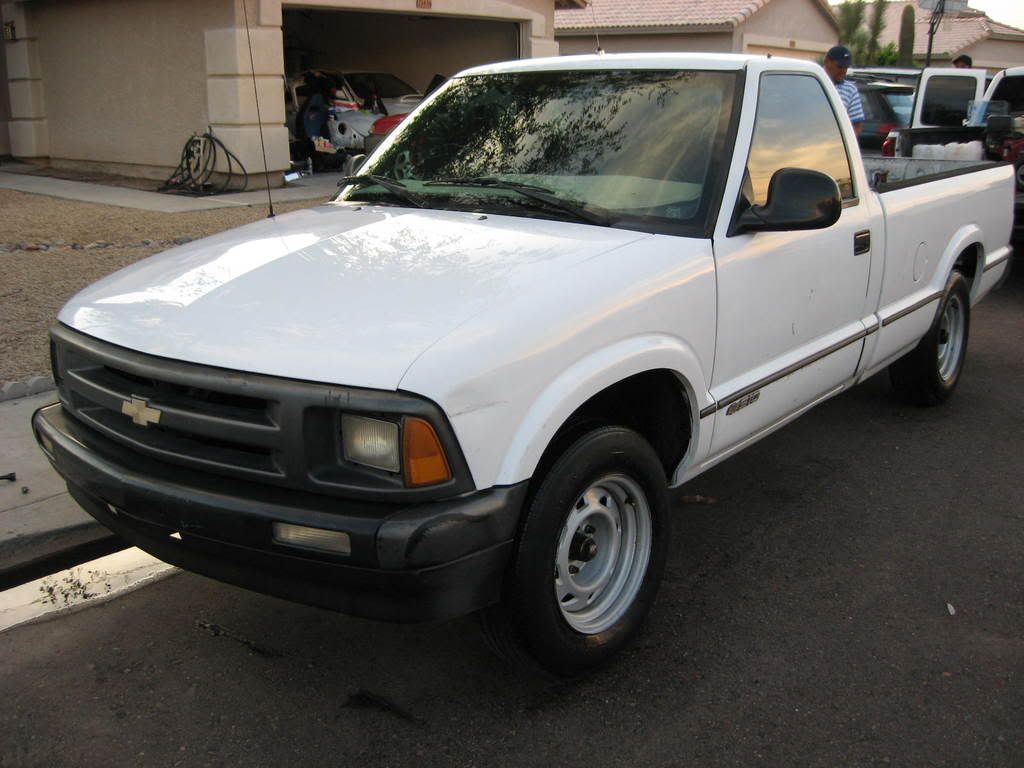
889,173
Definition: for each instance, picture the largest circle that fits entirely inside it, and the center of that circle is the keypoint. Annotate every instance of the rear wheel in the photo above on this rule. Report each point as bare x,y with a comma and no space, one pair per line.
929,374
589,556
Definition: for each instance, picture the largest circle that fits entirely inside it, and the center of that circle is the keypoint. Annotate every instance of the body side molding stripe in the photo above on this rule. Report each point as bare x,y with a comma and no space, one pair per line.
996,262
788,370
912,308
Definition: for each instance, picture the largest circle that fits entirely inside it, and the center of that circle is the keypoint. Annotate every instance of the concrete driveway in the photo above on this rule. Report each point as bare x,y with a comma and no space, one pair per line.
852,598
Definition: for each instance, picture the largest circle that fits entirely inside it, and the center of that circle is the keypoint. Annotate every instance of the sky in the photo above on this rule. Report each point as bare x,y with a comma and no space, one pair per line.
1006,11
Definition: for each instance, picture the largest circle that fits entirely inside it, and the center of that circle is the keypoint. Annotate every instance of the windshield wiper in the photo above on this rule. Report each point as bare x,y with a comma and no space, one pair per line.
394,186
526,190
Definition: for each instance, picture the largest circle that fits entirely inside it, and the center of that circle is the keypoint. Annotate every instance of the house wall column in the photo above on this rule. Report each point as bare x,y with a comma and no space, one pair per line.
27,128
231,96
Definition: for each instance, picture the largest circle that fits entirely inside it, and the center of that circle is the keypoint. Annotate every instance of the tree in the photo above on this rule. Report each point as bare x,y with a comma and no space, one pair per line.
875,28
888,56
859,33
850,17
906,50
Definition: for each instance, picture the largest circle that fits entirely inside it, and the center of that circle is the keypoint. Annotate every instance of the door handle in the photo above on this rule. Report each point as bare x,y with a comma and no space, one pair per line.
862,242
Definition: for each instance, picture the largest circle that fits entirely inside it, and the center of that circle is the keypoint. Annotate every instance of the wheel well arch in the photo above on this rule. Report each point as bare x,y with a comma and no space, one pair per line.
968,261
655,403
965,253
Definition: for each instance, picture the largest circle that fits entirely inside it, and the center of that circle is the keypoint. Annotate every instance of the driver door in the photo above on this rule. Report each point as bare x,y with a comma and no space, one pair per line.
790,304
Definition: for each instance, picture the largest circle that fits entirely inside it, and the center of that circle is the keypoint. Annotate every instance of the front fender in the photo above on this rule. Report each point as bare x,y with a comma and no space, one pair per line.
589,376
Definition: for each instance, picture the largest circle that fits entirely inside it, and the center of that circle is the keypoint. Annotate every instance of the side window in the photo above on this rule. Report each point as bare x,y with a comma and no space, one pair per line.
946,98
795,127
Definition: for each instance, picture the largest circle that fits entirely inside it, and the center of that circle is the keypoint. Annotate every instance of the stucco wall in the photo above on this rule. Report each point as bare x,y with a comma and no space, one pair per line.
655,43
406,46
124,82
5,106
996,54
792,19
120,85
794,27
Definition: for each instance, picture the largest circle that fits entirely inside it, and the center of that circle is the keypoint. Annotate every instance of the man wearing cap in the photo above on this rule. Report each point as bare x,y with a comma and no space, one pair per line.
837,62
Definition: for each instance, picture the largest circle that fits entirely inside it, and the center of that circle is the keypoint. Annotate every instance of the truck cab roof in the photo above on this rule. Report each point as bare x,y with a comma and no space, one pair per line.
706,61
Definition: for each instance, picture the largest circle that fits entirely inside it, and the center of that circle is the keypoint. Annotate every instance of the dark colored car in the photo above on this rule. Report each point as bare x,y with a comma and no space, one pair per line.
886,106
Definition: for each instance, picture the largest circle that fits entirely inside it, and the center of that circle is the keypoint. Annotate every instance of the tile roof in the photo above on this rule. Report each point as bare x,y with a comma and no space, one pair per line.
954,33
604,14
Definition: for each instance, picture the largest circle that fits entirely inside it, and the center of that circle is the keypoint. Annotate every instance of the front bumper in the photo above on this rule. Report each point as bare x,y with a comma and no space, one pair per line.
409,562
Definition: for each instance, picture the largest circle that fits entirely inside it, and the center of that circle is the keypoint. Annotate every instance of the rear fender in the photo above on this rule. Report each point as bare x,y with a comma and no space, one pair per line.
963,239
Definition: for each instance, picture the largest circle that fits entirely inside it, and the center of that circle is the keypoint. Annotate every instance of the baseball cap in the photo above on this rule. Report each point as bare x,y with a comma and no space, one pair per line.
841,55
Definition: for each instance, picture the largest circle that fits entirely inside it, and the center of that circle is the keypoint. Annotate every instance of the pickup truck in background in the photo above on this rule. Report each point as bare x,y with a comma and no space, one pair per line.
560,287
956,116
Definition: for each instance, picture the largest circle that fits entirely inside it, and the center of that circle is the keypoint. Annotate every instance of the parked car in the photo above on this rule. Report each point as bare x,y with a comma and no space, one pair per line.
365,89
379,131
887,106
353,100
901,75
468,383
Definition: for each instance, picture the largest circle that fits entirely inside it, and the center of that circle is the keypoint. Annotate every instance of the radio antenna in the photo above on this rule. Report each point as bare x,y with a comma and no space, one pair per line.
593,18
259,120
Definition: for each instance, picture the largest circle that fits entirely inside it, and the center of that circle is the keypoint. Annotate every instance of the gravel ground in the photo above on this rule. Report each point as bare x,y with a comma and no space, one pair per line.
52,248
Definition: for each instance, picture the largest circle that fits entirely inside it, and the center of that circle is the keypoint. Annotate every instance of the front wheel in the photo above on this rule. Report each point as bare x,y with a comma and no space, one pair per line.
928,374
589,556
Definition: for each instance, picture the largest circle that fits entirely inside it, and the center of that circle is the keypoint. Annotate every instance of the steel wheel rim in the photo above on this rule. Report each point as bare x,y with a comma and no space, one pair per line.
951,338
602,554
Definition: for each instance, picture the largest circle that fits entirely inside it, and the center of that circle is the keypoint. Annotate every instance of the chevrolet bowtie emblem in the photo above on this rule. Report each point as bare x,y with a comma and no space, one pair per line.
140,412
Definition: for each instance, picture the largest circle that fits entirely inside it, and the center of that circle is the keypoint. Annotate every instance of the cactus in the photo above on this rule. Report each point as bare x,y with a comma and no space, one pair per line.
906,56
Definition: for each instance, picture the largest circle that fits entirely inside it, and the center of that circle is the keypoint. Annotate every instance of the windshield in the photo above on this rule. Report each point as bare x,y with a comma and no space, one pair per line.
902,104
643,149
366,84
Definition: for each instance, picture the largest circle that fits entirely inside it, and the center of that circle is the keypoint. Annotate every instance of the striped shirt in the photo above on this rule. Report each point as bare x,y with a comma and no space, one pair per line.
851,100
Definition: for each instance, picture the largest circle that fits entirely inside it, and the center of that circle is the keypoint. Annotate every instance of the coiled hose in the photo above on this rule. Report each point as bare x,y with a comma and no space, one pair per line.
198,161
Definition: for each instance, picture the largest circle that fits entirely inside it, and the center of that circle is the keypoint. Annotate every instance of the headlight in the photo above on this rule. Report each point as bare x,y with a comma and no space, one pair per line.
413,448
371,442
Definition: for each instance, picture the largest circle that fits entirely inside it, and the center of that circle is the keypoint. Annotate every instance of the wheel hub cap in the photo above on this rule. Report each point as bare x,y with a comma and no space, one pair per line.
951,338
602,554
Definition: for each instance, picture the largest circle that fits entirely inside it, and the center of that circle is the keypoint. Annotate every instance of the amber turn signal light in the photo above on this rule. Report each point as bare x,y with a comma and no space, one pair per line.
422,454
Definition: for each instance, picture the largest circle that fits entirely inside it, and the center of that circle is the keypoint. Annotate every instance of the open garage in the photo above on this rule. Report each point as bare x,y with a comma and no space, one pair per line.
412,47
351,75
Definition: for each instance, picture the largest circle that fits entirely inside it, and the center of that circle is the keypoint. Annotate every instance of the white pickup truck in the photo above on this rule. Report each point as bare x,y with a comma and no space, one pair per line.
559,288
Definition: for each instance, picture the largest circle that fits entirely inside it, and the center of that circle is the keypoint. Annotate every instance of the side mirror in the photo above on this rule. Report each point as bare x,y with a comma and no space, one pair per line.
797,199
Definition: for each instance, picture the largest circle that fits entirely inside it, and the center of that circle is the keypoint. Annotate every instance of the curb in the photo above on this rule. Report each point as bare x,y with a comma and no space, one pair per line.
12,390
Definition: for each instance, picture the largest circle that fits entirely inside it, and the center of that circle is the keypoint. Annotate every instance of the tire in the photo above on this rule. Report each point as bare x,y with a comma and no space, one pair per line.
928,375
589,556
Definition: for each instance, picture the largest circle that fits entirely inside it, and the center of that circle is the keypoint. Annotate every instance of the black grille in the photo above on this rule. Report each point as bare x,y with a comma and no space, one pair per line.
195,425
250,426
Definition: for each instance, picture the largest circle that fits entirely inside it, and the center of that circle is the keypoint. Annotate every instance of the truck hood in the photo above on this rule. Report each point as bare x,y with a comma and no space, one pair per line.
339,294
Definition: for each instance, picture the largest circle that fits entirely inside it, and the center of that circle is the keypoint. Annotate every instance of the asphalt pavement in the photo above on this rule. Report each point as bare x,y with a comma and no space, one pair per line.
851,597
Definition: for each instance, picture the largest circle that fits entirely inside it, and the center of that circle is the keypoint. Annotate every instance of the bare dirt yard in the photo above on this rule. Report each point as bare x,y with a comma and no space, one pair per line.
52,248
